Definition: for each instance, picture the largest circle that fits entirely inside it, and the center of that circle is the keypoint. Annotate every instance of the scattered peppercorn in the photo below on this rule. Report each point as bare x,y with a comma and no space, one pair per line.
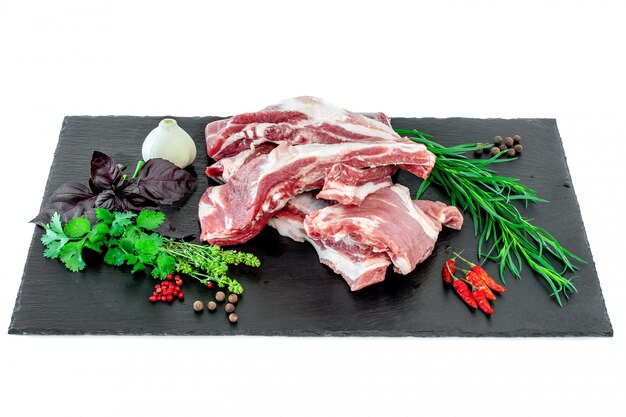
503,147
508,141
229,308
197,306
233,318
518,148
510,152
517,139
497,140
495,150
233,298
211,305
220,296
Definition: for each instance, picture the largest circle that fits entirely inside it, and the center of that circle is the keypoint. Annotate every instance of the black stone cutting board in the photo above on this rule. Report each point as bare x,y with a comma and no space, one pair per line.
292,293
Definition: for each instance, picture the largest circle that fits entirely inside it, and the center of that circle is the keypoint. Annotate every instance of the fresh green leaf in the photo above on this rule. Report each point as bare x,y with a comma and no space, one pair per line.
166,262
105,215
114,256
130,259
70,255
146,249
138,267
53,249
77,227
150,220
120,222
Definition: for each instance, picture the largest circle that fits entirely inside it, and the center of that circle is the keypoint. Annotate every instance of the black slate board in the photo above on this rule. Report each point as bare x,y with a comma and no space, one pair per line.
292,293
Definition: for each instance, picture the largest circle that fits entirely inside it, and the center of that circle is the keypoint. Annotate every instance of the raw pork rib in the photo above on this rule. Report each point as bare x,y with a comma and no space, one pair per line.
348,185
297,121
389,222
237,211
358,265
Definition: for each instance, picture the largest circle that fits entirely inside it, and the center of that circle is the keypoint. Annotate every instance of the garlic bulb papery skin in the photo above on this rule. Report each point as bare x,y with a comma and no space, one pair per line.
169,141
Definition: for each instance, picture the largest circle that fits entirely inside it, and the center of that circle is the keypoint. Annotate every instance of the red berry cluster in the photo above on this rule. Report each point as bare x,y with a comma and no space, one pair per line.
168,290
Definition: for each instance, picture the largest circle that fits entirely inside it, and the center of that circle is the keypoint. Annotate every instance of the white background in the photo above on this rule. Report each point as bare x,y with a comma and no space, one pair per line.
560,59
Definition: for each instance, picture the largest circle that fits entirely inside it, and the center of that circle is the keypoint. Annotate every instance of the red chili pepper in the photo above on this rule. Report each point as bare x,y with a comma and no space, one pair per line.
482,274
463,290
475,280
480,297
449,268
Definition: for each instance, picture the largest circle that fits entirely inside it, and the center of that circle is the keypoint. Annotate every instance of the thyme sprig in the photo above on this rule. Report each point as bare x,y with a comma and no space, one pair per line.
504,235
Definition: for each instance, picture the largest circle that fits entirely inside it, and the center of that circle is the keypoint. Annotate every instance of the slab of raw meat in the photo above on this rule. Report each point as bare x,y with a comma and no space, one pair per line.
237,211
222,170
388,221
441,213
300,120
358,265
348,185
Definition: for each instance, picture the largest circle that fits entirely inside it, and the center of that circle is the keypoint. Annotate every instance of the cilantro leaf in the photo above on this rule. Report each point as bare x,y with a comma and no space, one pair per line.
114,256
55,238
120,222
138,267
166,262
77,227
147,248
105,215
150,220
130,259
70,255
54,248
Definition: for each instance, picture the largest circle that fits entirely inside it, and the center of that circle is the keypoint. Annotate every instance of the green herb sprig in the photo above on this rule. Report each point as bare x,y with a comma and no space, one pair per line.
126,238
504,235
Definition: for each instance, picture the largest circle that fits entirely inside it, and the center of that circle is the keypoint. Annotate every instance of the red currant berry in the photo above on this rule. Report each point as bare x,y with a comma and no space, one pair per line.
169,276
210,284
152,299
181,295
170,298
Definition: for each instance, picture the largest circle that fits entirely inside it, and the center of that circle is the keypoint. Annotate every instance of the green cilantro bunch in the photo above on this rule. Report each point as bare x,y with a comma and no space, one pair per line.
125,238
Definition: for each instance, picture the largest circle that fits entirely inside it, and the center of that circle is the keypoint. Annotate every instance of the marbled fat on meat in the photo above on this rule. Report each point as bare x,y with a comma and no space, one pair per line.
388,221
297,121
237,211
348,185
358,265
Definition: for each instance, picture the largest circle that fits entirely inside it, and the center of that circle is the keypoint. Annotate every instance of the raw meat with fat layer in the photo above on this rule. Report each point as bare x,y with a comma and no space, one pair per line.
388,221
237,211
296,121
358,265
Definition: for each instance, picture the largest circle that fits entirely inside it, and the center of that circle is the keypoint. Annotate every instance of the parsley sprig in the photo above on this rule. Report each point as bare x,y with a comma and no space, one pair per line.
125,238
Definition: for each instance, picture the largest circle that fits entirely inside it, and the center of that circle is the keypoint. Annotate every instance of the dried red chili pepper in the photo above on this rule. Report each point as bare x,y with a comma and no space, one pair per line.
481,300
487,279
449,268
475,280
463,290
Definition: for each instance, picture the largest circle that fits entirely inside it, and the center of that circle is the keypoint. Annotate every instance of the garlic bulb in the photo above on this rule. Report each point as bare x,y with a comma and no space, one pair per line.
169,141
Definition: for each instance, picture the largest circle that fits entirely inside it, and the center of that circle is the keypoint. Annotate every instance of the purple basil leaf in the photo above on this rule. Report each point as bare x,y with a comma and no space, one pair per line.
105,174
161,181
70,200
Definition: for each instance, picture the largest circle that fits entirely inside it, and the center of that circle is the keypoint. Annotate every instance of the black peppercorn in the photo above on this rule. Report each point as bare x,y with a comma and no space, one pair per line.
503,147
497,140
233,318
220,296
211,305
229,308
197,306
478,152
508,142
518,148
233,298
517,139
495,150
510,152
